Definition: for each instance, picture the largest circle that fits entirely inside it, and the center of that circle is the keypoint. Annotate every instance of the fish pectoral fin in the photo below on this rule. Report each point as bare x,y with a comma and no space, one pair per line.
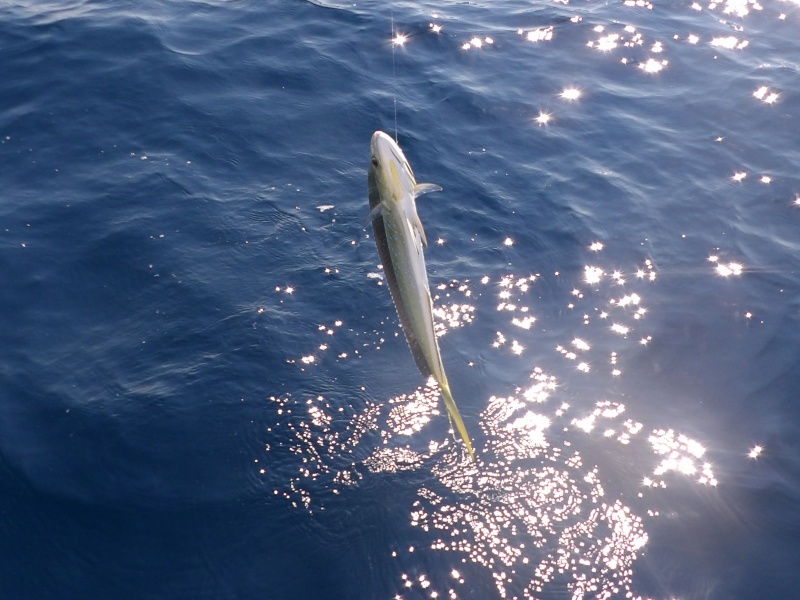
373,214
425,188
417,224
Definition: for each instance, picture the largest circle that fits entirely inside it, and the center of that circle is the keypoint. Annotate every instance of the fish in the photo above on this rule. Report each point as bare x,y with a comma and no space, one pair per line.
400,239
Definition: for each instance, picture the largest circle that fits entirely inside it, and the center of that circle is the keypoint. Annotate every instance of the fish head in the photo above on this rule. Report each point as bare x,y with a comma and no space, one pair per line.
393,174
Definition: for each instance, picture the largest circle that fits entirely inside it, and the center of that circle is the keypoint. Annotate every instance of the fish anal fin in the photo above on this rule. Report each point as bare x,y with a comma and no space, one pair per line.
417,224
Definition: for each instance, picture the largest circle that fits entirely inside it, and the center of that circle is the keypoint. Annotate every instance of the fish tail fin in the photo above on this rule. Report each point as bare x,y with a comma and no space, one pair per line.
455,417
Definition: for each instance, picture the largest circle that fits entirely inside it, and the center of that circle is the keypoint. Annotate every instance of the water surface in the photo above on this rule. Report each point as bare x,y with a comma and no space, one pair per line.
204,389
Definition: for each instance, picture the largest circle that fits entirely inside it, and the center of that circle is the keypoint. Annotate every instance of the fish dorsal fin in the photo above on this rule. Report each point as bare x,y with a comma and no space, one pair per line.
425,188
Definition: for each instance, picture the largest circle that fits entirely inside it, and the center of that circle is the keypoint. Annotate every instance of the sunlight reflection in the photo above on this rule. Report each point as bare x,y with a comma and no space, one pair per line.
477,42
680,454
537,35
534,511
629,299
740,8
729,42
606,43
620,329
653,66
399,39
765,95
524,323
571,94
593,275
580,344
730,269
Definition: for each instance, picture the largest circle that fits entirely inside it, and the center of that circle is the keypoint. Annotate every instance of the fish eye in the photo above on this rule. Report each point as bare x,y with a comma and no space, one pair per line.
374,162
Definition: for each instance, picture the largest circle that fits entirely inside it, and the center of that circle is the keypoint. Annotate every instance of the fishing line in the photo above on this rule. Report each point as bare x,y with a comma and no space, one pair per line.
394,80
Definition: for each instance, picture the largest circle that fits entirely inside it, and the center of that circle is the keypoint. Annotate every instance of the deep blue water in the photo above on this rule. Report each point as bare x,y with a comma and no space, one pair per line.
204,391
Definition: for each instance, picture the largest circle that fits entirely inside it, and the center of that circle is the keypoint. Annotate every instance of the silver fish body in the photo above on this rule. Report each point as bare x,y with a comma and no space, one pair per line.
400,239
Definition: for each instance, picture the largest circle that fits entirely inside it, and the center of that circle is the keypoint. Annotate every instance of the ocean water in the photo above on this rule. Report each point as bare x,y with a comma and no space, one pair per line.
204,390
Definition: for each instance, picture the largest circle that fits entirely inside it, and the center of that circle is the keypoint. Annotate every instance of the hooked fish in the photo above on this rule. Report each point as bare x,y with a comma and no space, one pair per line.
400,238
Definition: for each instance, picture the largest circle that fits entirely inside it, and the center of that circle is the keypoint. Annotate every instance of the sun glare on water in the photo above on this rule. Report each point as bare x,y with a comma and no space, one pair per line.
399,39
533,496
547,507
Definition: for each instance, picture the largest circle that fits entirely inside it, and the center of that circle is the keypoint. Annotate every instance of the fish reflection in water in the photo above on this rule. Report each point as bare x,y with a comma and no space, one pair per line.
535,511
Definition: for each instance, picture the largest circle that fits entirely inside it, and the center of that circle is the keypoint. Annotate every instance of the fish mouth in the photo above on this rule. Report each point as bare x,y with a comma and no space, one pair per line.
378,138
385,149
377,135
